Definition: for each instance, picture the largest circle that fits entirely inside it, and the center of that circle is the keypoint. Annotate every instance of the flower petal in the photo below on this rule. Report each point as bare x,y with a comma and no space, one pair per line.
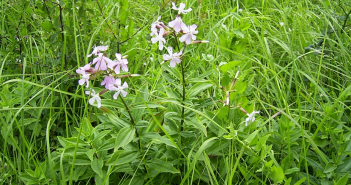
124,93
115,96
166,57
91,101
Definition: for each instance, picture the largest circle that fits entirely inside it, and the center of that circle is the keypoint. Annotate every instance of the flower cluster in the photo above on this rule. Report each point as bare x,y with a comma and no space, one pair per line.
109,68
176,27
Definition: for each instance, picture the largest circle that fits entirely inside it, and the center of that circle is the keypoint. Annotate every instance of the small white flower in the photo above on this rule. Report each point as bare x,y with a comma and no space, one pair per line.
240,10
154,25
119,88
281,24
94,97
181,8
97,50
189,34
173,57
159,38
177,24
85,79
251,117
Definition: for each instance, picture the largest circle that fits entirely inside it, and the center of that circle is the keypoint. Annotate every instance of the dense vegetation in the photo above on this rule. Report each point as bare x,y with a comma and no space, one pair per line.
189,124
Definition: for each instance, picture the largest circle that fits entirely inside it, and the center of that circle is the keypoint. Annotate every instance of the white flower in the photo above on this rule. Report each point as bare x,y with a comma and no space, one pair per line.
181,8
84,69
101,62
174,57
251,117
85,79
121,62
189,34
153,26
94,97
240,10
97,50
159,38
281,24
177,24
119,88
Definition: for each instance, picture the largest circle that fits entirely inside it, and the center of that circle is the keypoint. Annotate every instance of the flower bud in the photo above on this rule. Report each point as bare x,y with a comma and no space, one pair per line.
128,75
103,91
243,110
199,41
166,33
164,26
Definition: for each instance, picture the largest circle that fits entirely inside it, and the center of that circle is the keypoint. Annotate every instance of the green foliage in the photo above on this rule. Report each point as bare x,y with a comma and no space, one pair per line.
297,74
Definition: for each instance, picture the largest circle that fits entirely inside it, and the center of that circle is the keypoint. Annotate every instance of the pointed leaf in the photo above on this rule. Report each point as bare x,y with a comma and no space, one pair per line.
124,136
122,157
96,165
198,88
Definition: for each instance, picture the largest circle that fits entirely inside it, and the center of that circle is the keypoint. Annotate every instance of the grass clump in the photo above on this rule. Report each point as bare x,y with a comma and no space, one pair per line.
188,124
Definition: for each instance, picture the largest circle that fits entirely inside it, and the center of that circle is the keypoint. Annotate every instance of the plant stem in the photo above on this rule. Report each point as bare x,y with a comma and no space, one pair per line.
183,82
133,123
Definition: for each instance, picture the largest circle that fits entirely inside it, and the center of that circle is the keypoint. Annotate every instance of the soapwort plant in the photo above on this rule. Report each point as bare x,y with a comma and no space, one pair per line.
115,150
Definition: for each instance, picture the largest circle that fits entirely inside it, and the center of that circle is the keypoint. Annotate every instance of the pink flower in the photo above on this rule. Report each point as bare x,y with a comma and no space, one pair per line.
97,50
177,24
94,97
119,88
159,38
174,57
120,62
108,80
101,62
84,69
181,8
85,79
189,34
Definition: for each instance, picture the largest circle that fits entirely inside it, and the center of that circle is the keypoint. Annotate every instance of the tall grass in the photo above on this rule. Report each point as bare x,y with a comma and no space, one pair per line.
294,63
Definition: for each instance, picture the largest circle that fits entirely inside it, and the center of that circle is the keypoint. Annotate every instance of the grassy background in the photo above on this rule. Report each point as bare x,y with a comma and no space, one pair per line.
300,70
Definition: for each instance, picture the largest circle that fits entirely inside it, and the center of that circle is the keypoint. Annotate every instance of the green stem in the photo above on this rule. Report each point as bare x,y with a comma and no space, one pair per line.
134,125
183,82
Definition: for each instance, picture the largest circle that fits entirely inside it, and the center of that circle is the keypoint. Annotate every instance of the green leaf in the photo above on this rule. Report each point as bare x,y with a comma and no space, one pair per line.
123,13
277,174
96,165
118,122
47,26
230,65
344,167
107,145
122,157
197,123
162,166
90,154
330,167
300,181
291,170
198,88
251,137
124,136
87,128
209,142
343,180
142,105
131,28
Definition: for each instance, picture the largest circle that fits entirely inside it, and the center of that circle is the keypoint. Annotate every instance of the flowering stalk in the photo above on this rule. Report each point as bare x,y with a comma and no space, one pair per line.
187,36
